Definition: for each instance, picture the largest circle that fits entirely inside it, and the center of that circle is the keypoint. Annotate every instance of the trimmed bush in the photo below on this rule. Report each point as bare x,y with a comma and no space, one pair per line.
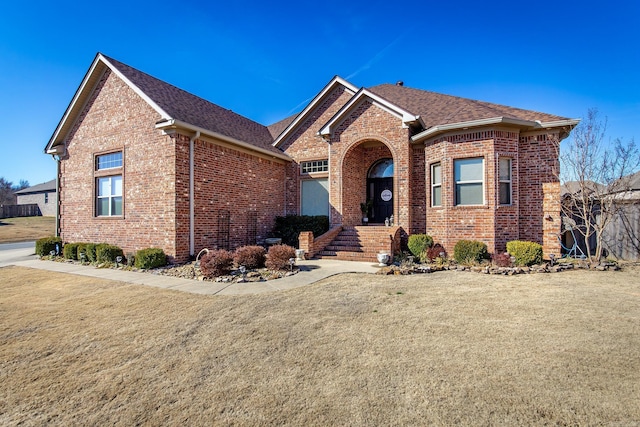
70,251
501,260
250,256
469,252
525,253
150,258
89,250
289,227
216,263
418,245
278,257
45,245
107,253
434,252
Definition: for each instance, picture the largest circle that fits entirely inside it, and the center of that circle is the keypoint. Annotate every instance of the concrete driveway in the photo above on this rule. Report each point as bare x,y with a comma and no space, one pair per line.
14,252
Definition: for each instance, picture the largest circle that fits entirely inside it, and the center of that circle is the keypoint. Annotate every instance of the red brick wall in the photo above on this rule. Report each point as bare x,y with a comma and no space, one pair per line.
368,126
540,190
240,184
449,223
148,172
418,191
156,181
305,144
534,164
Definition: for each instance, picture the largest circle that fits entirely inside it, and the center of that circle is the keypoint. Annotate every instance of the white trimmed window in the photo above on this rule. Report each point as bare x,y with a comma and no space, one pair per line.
505,181
109,196
314,197
469,178
314,166
108,193
436,184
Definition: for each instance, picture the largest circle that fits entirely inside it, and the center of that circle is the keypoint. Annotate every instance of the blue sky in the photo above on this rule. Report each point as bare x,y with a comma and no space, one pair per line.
266,60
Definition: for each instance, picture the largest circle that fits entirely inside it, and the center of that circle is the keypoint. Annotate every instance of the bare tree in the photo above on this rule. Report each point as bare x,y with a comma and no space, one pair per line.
595,172
6,192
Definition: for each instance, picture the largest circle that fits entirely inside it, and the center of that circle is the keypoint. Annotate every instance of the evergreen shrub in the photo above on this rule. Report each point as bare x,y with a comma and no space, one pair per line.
107,253
45,245
469,252
150,258
70,251
525,253
418,245
289,227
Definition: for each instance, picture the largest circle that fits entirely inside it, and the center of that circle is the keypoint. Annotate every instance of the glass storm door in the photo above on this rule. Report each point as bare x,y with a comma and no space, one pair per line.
380,190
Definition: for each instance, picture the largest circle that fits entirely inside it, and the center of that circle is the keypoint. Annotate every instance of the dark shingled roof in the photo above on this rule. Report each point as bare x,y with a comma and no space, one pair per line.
191,109
277,128
438,109
45,187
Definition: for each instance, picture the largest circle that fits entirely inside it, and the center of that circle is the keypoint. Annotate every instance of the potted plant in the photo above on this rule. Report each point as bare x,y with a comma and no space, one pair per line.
364,208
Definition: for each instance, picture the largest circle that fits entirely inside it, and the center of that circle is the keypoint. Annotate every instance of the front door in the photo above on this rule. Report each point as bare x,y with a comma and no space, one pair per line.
380,190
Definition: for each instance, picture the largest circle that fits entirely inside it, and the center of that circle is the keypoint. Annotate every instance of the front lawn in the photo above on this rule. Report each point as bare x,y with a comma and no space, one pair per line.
26,228
354,349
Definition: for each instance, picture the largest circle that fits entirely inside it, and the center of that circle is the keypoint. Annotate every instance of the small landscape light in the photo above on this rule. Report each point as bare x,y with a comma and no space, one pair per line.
118,260
292,262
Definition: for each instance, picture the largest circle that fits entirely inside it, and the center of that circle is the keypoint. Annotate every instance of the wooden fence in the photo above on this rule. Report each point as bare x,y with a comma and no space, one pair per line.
622,237
11,211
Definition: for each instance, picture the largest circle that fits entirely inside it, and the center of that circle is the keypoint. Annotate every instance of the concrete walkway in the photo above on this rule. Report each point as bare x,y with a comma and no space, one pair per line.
310,271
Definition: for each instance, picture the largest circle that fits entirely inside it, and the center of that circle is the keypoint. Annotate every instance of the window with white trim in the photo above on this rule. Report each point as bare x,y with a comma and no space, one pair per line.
436,184
505,181
109,196
314,166
108,182
469,181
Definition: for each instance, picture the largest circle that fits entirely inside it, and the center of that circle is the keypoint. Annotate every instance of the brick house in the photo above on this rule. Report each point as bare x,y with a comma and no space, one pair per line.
143,163
44,195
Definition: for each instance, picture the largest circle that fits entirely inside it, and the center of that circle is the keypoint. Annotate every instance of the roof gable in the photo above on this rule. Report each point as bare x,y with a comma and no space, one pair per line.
171,104
315,102
362,95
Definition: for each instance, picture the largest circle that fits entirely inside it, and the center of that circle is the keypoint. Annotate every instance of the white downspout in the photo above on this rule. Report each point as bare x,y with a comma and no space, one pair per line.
191,195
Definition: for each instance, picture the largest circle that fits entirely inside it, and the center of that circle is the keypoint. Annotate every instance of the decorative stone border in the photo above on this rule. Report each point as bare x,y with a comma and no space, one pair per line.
404,269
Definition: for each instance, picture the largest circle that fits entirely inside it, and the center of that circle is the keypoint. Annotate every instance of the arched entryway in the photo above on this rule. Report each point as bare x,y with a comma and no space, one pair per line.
367,170
380,190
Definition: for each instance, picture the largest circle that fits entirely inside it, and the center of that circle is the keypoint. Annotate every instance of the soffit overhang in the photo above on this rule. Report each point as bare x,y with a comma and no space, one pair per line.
522,125
172,125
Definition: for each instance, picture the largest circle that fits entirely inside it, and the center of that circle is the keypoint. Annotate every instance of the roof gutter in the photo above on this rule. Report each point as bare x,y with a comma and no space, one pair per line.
175,124
191,195
436,130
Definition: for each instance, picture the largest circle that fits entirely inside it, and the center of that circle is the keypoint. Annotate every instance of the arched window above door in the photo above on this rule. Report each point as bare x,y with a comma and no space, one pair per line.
381,169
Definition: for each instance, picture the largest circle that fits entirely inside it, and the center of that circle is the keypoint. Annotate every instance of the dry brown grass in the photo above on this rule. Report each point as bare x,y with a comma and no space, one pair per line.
435,349
27,228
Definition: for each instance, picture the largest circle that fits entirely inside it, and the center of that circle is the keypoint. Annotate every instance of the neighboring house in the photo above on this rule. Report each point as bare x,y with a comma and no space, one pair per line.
143,163
44,195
